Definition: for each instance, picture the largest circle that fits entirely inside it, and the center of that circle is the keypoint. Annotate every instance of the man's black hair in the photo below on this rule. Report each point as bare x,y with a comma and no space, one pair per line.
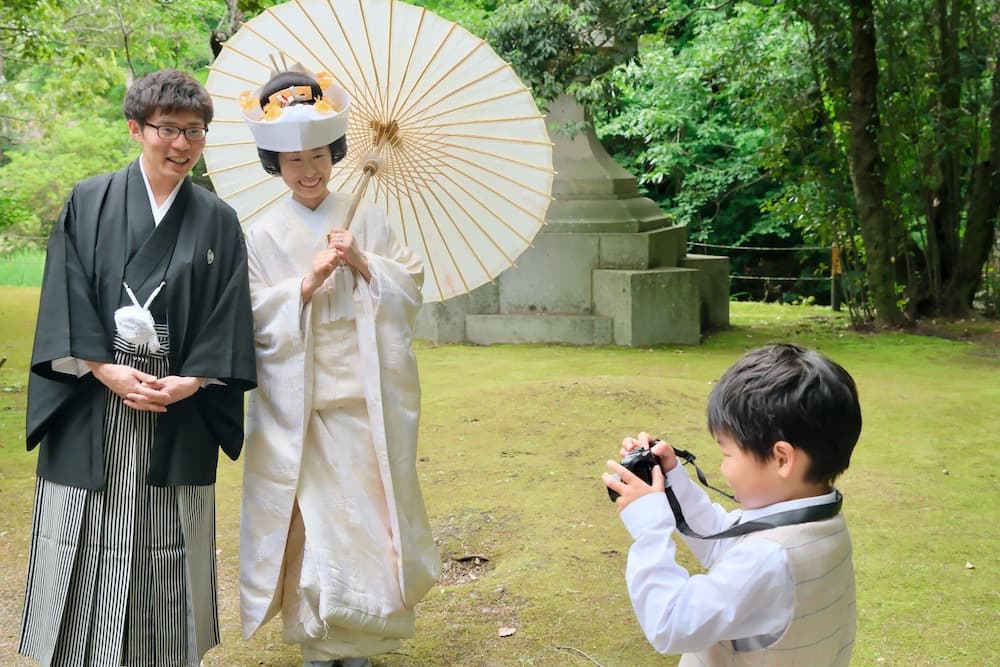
169,91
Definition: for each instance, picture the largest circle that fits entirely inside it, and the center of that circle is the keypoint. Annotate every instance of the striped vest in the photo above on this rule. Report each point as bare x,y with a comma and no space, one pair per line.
824,619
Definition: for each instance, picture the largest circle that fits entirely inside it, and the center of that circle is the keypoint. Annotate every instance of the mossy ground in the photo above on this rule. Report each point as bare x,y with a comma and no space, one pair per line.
513,441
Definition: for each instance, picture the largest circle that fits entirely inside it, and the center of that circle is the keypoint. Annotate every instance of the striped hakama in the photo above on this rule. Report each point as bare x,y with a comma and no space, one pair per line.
123,575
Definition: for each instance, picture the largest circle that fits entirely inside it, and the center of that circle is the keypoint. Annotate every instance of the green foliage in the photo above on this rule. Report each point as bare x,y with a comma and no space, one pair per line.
732,115
935,62
537,37
736,121
915,129
470,14
92,49
62,96
42,172
563,46
989,293
15,216
29,29
690,122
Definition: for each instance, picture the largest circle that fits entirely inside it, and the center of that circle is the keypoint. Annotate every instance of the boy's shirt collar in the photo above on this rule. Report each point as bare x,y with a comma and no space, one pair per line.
786,506
745,515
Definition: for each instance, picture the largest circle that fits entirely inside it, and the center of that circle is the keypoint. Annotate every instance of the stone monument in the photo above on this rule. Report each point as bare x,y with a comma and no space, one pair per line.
608,267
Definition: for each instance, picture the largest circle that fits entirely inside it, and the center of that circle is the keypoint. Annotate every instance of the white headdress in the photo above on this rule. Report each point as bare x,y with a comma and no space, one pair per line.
282,126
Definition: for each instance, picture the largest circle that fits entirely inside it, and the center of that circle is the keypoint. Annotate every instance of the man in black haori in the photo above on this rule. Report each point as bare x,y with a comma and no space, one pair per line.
143,349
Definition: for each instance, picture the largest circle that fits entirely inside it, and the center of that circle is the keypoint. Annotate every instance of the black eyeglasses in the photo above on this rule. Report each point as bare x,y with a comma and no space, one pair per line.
169,132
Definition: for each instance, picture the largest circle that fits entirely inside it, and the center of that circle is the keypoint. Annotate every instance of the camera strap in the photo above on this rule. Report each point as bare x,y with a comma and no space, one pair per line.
688,457
788,518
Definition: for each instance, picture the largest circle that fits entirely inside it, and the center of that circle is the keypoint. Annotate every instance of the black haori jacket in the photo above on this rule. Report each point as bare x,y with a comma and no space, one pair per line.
104,237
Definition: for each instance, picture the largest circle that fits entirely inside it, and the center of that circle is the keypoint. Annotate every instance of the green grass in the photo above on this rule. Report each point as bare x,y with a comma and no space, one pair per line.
514,439
22,268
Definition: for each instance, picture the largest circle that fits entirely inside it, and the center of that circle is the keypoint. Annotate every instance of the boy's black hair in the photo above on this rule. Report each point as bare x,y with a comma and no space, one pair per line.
786,392
169,91
269,159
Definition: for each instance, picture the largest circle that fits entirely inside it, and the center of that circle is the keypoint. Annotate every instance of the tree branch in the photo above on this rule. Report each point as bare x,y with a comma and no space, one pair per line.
125,36
689,14
23,120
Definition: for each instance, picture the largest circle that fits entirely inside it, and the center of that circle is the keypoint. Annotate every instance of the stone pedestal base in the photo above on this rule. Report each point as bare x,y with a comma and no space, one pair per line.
651,307
608,267
568,329
583,288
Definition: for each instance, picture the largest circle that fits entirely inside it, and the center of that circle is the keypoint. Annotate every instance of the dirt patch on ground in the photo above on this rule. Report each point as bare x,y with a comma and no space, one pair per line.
463,569
467,541
977,330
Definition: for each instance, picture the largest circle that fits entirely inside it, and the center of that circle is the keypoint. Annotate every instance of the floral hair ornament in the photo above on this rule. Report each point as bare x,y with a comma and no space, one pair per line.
285,124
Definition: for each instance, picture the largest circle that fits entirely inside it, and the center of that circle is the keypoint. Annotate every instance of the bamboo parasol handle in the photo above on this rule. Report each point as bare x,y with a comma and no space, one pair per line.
369,170
385,133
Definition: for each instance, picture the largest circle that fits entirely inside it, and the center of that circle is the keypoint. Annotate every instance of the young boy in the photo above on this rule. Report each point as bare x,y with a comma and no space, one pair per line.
787,420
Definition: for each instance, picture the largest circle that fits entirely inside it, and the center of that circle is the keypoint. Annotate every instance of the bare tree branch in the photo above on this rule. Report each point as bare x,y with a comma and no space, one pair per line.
689,14
18,118
125,37
719,7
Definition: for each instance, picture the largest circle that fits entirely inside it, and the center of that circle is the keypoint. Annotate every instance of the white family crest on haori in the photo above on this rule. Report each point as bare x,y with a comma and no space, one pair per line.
135,323
449,138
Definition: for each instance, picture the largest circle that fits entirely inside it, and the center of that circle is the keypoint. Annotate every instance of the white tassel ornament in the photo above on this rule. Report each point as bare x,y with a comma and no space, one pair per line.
135,323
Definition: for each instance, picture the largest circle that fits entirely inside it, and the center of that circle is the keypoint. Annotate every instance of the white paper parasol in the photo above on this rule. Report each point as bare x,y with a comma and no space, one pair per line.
464,167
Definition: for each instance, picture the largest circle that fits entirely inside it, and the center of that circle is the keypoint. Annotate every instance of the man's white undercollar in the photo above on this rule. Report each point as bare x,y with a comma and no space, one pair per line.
159,212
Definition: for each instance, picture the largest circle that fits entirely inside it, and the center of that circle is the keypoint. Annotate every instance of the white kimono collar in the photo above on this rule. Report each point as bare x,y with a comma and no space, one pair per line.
159,212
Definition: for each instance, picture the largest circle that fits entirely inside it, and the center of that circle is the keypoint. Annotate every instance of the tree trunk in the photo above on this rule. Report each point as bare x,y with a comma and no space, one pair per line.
227,27
867,169
944,201
983,213
832,41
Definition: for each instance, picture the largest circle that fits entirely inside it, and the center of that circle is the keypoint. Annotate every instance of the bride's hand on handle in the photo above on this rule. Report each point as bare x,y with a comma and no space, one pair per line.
347,248
324,263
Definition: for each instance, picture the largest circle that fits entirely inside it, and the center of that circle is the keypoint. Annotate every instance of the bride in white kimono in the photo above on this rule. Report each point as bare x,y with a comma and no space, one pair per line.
334,531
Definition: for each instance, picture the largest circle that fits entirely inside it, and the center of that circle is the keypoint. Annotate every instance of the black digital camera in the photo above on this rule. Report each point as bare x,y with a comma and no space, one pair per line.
640,462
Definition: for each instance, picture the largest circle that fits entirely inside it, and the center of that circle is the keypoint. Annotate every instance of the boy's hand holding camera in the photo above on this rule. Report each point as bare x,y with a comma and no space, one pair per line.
627,484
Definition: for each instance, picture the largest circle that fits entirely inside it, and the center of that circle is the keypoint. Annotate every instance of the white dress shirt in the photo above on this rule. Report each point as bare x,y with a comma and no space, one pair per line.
748,593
